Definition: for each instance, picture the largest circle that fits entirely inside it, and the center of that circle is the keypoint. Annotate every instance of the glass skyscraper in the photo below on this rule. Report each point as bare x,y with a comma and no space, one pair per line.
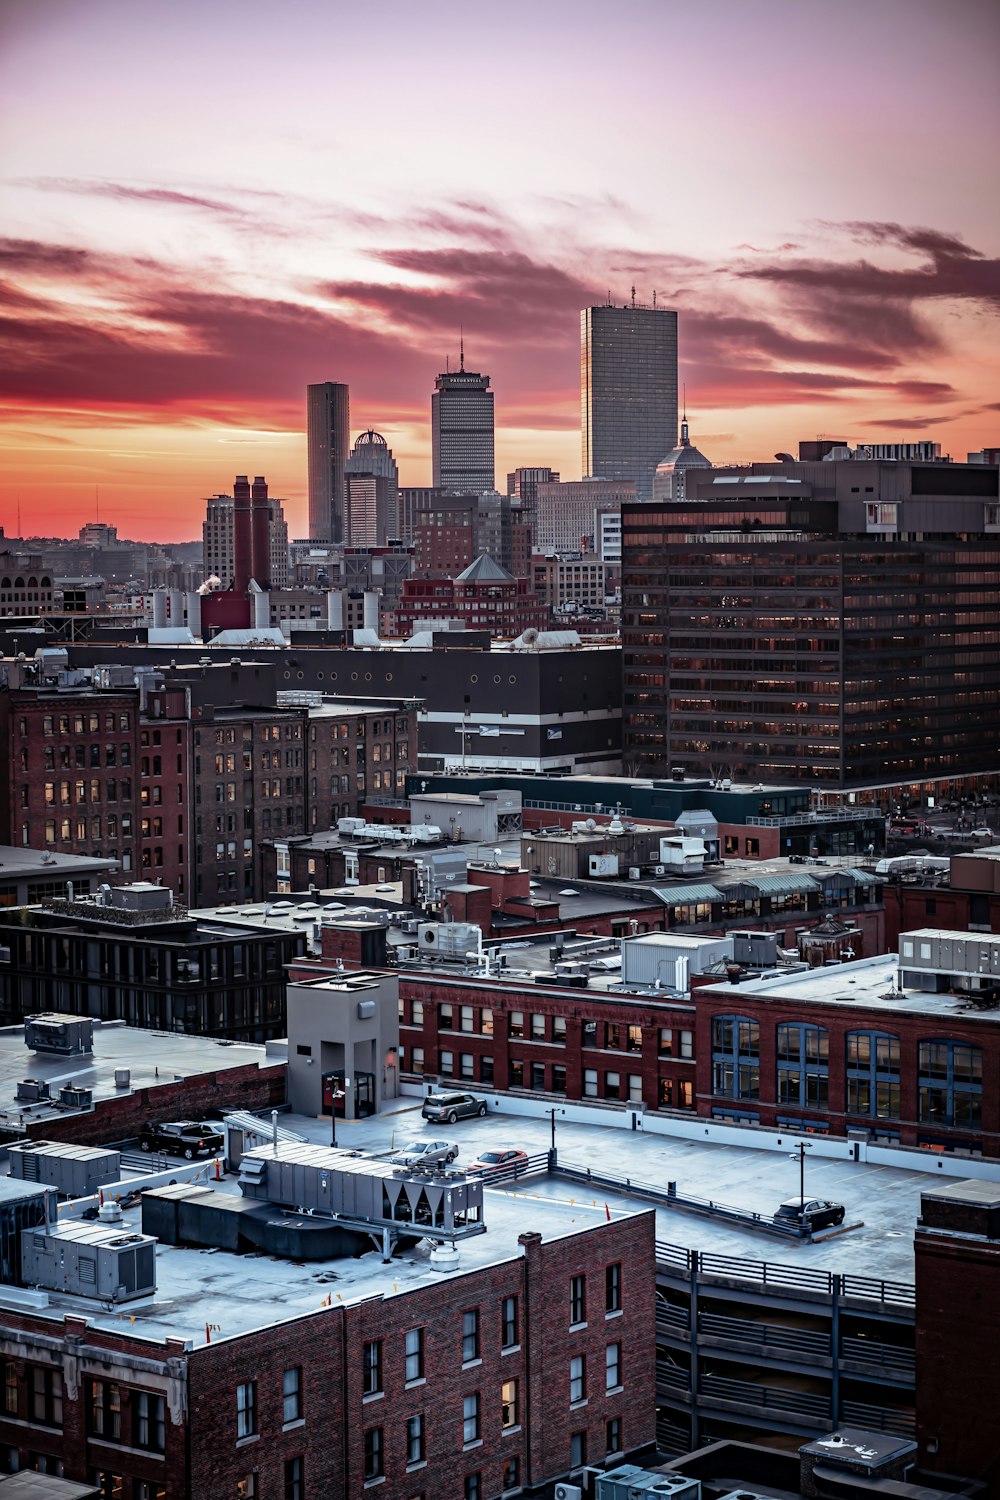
462,432
328,438
628,392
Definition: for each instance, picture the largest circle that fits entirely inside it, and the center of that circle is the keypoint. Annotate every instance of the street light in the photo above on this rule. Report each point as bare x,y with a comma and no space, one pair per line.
335,1095
800,1152
552,1111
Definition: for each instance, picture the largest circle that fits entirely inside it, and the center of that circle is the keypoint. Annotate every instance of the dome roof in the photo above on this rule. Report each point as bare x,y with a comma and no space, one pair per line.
684,456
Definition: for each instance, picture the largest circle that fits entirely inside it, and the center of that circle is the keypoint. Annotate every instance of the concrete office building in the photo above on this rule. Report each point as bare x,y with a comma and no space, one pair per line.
372,492
835,622
328,433
462,431
628,391
568,514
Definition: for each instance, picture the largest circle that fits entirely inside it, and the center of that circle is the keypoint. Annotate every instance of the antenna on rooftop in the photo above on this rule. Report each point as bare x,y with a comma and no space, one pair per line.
654,297
633,296
461,349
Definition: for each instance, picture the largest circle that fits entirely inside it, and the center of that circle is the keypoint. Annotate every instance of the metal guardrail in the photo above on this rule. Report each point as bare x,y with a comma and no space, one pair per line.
677,1258
772,1396
882,1418
669,1316
492,1176
868,1289
770,1335
670,1198
674,1376
888,1356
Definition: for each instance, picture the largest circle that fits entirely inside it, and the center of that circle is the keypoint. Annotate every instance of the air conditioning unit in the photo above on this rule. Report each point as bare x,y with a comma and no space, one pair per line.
634,873
567,1492
659,869
427,936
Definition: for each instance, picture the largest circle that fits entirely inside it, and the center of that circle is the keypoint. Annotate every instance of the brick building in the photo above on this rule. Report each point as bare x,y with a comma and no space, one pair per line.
484,595
527,1363
181,777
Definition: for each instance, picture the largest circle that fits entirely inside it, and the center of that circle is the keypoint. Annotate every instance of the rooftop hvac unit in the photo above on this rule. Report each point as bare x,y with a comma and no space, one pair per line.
90,1260
659,869
634,873
31,1090
75,1171
567,1492
76,1096
64,1035
631,1483
427,936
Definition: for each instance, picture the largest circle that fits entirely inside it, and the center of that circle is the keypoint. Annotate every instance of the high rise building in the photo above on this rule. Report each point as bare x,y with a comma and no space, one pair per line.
832,622
328,435
522,486
628,392
218,541
372,492
462,431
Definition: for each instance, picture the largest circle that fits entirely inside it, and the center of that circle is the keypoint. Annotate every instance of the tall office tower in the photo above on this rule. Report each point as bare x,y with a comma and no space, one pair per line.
522,485
628,392
462,431
372,492
268,558
835,623
328,436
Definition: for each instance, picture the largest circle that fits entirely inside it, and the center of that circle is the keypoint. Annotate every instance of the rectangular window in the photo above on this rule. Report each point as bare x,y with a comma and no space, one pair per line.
517,1023
590,1083
46,1396
445,1017
10,1383
470,1418
105,1414
374,1454
473,1488
612,1367
447,1064
295,1487
508,1405
149,1421
291,1400
415,1439
470,1335
246,1409
613,1435
372,1368
577,1379
558,1078
414,1354
538,1077
511,1473
538,1028
466,1018
613,1287
467,1066
577,1450
509,1333
612,1085
578,1299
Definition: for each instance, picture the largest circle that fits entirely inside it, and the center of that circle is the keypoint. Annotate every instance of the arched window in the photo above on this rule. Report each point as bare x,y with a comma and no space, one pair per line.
872,1064
735,1057
950,1082
803,1066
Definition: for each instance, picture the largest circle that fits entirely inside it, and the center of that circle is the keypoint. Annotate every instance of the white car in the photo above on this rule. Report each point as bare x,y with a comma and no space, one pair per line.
425,1153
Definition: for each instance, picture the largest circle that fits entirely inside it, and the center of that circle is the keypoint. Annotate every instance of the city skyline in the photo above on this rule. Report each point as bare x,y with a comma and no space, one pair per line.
181,265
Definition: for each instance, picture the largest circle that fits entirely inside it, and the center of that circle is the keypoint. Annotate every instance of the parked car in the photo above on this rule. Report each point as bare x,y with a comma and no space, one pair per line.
499,1163
452,1107
818,1213
185,1138
425,1153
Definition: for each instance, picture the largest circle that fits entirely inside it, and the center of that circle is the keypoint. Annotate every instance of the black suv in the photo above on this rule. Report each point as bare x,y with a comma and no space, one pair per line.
814,1213
185,1138
452,1107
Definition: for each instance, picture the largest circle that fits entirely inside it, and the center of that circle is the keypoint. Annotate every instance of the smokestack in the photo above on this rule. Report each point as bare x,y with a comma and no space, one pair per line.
261,539
194,613
242,535
335,609
262,611
159,609
371,610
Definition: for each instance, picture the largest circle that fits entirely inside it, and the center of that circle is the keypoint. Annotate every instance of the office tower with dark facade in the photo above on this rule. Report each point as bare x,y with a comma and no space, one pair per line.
628,392
328,436
834,622
462,432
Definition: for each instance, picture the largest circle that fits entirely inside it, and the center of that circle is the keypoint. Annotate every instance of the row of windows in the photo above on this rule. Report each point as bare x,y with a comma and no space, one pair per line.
949,1072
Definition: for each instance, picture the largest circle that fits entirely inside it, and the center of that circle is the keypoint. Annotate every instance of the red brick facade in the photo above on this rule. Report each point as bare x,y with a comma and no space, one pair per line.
319,1422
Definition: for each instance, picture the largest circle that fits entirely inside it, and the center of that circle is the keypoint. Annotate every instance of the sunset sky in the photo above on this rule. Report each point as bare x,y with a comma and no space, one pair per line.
207,205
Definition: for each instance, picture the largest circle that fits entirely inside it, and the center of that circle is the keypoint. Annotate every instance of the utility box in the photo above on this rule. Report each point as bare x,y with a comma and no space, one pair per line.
61,1035
74,1171
628,1482
758,949
106,1262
